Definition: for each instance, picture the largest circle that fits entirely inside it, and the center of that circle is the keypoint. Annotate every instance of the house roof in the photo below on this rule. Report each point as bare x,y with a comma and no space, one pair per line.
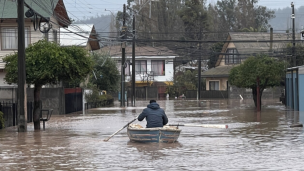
261,43
299,69
79,35
45,8
258,46
139,51
220,71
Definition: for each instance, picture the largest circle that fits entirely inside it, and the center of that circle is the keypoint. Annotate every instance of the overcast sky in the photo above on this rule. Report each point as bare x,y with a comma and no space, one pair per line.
78,9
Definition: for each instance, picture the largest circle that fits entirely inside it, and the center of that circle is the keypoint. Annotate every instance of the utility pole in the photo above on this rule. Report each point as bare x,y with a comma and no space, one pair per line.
199,66
271,39
293,35
199,72
133,64
258,95
22,110
123,60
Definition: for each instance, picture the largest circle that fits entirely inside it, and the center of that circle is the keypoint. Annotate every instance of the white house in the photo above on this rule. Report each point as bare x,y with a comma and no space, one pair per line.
154,66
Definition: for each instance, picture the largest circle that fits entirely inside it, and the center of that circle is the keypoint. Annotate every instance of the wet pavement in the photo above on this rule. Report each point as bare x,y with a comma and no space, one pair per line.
253,141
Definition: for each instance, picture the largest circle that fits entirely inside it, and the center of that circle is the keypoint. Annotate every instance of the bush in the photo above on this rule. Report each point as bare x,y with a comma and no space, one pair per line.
1,120
95,98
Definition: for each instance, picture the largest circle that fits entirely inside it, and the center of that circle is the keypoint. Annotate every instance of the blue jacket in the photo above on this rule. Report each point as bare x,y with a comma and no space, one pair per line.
154,115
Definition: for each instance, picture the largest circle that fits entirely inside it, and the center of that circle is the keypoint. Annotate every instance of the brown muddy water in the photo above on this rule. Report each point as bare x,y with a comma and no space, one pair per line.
253,141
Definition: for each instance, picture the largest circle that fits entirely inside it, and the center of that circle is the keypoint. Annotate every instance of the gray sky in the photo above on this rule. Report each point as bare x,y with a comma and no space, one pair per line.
78,9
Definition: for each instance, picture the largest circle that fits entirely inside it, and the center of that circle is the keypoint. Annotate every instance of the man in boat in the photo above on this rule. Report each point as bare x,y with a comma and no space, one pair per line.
155,116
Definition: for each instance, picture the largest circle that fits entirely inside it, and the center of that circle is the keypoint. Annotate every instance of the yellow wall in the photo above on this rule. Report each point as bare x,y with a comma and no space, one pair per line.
222,83
230,45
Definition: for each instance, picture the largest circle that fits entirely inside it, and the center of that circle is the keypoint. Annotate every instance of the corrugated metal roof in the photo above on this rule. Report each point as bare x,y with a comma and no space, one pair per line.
8,8
220,71
76,34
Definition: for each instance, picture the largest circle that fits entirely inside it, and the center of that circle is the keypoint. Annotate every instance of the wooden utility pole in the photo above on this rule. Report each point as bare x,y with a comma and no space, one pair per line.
293,36
199,72
133,64
22,102
123,59
199,66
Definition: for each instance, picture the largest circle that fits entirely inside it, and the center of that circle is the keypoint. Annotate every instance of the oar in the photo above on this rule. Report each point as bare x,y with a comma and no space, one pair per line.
204,125
107,139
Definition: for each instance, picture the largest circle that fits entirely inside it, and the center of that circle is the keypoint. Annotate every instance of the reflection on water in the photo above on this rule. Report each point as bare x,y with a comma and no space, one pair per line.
253,141
154,150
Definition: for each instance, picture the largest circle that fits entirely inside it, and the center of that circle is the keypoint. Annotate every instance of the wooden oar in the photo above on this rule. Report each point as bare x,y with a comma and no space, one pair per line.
107,139
204,125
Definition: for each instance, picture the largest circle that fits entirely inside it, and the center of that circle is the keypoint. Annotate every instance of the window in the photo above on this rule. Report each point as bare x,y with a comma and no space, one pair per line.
127,69
233,57
140,67
214,85
10,38
158,67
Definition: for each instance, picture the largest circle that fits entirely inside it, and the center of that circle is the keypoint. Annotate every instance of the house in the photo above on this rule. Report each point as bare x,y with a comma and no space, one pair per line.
238,47
154,66
54,17
83,35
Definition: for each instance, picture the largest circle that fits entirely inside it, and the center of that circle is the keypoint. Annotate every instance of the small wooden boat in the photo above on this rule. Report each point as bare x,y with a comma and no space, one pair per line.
166,134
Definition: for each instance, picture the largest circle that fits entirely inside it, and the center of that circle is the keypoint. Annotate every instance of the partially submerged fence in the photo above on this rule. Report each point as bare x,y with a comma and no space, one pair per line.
104,103
207,94
10,112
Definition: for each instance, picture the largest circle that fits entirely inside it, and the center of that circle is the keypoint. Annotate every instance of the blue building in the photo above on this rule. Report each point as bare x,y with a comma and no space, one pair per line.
294,88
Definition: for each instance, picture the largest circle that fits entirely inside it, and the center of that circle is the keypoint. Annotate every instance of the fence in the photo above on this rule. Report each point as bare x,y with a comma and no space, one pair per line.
73,100
210,94
99,104
144,92
10,113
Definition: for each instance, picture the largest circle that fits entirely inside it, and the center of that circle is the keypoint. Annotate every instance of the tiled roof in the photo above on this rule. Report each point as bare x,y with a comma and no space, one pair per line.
220,71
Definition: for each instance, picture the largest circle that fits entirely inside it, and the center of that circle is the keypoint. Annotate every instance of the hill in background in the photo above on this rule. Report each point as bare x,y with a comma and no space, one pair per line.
281,23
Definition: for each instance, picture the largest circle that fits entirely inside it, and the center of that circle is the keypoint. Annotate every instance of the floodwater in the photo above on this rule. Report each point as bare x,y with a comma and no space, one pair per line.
253,141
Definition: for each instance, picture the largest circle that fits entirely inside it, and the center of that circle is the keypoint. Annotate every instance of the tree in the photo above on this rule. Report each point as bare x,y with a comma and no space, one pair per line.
226,14
236,15
298,52
106,72
183,81
195,19
48,63
268,70
214,54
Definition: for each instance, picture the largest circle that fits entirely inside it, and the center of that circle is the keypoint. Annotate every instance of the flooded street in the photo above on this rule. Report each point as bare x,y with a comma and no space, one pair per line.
253,141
